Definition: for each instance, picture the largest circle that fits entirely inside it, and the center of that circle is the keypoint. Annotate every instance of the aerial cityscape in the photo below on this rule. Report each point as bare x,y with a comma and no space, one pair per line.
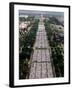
41,44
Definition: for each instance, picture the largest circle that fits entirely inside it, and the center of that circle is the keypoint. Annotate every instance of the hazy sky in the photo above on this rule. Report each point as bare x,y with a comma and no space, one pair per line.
21,12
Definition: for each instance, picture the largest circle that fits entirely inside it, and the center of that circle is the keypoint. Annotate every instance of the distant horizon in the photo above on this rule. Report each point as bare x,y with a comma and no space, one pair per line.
34,12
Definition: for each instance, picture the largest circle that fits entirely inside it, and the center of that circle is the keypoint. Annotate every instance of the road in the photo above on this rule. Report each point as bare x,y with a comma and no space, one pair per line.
41,64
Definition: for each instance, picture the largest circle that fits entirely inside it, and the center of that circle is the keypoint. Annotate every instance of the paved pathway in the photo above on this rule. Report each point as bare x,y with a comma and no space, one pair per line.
41,64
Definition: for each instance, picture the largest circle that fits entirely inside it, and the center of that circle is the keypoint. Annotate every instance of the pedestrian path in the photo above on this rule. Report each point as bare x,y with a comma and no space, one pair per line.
41,64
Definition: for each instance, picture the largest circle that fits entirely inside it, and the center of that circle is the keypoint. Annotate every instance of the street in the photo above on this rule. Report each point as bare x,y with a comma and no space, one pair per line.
41,64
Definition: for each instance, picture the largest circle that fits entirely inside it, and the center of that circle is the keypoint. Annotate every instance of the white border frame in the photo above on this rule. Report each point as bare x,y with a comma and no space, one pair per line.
16,45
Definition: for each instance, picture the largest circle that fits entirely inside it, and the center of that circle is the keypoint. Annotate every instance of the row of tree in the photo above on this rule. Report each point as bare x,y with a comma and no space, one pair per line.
56,49
27,49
